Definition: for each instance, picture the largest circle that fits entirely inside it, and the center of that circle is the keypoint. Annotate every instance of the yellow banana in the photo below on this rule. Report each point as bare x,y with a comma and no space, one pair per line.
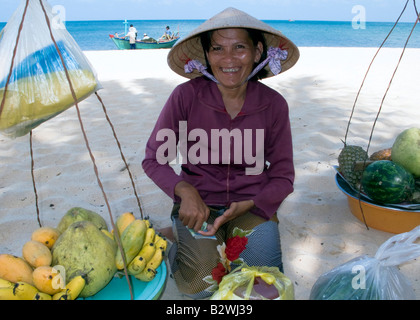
149,272
146,275
24,291
157,237
72,289
42,296
62,295
7,294
156,260
137,265
162,244
147,221
139,262
150,234
6,283
132,240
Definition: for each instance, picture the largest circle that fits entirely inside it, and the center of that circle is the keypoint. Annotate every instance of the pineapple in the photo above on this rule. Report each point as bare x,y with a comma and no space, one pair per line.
346,160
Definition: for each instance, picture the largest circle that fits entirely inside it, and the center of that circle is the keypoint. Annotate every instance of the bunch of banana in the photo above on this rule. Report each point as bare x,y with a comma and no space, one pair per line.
143,247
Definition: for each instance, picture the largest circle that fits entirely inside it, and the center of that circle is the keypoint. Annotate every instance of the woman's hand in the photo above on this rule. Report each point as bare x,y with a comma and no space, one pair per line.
235,210
193,211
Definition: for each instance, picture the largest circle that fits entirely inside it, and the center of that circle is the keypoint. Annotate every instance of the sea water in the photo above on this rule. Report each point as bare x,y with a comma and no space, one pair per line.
94,35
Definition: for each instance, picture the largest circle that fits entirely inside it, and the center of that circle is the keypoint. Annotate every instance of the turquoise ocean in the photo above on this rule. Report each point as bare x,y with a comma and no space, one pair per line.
94,35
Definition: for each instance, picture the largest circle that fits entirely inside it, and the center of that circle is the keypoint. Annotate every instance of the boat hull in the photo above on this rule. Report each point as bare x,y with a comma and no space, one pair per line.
124,44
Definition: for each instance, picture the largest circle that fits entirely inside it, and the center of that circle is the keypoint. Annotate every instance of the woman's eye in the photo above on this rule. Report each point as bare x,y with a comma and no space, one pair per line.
216,48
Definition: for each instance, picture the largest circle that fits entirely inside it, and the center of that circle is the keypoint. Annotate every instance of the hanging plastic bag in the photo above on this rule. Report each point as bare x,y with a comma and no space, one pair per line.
254,283
377,278
37,85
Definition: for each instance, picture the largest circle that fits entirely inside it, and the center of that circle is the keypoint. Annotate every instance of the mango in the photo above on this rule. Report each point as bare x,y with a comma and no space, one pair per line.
36,254
84,249
46,235
48,280
15,269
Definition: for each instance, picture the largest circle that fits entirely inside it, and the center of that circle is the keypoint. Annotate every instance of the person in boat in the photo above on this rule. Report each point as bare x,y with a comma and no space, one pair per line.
234,136
131,35
133,29
145,37
167,35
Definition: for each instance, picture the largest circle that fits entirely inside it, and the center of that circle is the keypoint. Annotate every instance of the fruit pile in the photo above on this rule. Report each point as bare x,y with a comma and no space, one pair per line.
80,256
388,176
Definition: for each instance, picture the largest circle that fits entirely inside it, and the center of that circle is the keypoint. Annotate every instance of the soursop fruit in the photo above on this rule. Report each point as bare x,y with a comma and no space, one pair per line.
346,160
85,250
81,214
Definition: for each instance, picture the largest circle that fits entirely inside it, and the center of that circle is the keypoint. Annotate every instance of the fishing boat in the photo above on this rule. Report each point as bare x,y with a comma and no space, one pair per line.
151,43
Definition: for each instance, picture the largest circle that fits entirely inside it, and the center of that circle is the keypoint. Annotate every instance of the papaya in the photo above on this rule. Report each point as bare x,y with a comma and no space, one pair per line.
132,240
80,214
15,269
124,220
46,235
84,249
47,279
36,254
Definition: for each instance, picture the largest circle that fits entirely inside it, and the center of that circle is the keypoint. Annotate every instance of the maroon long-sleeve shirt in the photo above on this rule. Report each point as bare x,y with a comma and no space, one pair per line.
227,160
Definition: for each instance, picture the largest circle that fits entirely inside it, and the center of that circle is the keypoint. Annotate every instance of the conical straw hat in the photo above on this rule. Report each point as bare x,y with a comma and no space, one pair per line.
190,48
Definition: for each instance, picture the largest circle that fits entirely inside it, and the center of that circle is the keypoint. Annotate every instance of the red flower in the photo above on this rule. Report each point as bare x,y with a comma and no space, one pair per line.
219,272
234,247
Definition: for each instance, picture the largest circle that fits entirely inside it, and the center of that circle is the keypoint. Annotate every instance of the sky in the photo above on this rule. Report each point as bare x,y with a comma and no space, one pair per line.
329,10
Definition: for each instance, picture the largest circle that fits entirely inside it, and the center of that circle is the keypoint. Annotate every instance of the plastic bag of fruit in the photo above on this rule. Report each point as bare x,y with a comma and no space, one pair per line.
372,278
255,283
39,61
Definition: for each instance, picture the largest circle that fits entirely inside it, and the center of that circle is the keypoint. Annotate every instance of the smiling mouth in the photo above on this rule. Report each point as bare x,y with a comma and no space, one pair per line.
230,70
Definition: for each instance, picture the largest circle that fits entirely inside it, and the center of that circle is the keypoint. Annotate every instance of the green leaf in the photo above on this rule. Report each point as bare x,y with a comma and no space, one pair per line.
238,261
241,233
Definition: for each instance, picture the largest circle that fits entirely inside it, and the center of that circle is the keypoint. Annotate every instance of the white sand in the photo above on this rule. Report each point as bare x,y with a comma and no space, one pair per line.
318,232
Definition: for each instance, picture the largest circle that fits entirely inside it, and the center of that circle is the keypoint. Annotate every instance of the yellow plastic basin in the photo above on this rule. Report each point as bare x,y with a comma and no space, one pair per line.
384,218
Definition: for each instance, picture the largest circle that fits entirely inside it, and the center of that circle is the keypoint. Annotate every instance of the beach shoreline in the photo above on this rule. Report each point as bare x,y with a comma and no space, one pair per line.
318,231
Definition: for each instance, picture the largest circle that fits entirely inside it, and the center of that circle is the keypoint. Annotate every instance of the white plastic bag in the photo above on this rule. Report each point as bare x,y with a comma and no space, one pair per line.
377,278
37,86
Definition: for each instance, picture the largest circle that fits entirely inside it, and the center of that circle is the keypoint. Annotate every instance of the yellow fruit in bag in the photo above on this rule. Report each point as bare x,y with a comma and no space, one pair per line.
30,102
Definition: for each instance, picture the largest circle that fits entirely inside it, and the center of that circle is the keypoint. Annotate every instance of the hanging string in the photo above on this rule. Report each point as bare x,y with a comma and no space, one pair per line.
33,179
117,236
385,94
390,82
367,71
122,155
3,100
3,103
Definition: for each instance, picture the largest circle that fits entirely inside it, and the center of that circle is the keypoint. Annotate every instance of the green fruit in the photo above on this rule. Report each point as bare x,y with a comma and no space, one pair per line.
406,150
85,250
80,214
347,158
385,181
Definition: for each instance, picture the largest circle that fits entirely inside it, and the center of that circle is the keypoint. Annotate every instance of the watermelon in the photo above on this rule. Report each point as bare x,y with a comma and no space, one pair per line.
385,181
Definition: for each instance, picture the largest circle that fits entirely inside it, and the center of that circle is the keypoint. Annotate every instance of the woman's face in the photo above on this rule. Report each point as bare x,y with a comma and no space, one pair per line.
232,55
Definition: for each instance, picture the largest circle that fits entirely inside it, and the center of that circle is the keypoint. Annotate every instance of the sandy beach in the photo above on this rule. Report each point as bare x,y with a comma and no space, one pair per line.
318,231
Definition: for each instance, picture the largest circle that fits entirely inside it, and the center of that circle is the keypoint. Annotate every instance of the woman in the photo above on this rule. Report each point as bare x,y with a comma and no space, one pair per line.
234,137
